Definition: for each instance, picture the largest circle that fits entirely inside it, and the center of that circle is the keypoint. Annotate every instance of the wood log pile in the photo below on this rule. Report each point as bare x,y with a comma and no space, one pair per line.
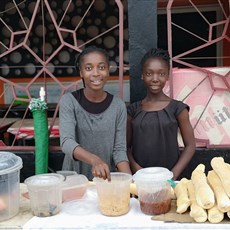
206,197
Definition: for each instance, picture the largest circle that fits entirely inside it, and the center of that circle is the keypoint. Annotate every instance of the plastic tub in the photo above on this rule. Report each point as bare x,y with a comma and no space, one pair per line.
74,187
114,195
45,192
67,173
10,166
154,190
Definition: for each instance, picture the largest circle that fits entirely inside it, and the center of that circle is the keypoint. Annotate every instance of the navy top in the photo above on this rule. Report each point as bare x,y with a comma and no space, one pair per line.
154,134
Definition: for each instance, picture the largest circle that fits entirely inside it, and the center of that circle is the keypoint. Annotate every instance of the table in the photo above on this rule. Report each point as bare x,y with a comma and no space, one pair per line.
84,214
24,129
5,123
18,110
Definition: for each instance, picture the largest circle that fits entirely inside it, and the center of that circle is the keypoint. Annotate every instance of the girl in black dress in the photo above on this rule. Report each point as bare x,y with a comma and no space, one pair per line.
152,128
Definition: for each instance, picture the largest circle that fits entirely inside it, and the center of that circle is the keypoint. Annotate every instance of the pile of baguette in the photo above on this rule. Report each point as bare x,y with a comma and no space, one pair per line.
206,197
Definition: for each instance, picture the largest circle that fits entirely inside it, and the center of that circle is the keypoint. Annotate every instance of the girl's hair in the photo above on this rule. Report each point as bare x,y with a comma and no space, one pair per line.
87,50
156,52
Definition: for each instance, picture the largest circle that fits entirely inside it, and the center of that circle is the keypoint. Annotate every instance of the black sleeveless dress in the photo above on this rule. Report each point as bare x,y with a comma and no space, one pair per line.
154,134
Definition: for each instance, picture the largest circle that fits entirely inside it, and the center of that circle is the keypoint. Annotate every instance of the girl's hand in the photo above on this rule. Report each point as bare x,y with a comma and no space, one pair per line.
101,169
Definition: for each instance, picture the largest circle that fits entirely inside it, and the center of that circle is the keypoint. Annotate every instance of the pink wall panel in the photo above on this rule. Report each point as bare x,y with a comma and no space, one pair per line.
209,103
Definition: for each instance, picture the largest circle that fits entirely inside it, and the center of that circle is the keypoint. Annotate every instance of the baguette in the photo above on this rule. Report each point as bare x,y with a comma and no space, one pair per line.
196,212
181,192
222,169
222,200
133,189
215,215
203,192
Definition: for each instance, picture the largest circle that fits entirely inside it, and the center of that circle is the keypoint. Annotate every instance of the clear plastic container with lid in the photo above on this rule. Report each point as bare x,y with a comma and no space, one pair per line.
45,193
10,166
154,189
114,195
74,187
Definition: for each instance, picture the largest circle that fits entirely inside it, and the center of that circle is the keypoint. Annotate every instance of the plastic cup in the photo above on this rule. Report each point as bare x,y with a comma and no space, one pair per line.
45,193
114,195
154,190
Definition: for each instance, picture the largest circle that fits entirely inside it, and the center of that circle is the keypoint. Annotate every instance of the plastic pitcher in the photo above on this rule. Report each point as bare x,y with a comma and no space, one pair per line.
10,166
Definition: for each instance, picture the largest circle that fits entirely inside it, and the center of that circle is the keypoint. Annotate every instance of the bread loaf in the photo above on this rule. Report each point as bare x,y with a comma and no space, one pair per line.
222,169
222,200
203,192
181,192
196,212
133,189
215,215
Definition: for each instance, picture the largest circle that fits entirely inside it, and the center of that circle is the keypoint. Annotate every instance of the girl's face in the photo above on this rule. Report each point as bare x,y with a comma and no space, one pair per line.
94,69
155,73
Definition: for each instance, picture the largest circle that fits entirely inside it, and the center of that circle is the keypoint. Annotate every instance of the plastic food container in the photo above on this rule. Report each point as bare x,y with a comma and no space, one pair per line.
154,190
114,195
10,166
74,187
45,192
67,173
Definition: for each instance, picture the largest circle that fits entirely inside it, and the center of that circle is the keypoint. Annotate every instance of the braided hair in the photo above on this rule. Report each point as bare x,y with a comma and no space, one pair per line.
156,53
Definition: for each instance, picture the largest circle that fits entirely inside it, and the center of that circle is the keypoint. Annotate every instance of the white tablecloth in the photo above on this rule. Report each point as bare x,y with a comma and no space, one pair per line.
85,214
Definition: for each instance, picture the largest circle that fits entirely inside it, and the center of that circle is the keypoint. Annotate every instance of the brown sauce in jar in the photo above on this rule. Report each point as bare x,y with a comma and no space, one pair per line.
156,204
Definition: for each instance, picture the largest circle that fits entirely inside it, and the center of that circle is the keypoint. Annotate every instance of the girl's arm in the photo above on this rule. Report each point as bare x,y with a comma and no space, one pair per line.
133,164
187,135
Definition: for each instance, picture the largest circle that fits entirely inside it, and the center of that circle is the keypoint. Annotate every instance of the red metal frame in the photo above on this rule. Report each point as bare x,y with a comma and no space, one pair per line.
44,71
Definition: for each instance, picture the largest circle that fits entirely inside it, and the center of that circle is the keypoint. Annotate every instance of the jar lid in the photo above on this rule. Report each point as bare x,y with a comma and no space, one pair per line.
46,179
9,162
153,174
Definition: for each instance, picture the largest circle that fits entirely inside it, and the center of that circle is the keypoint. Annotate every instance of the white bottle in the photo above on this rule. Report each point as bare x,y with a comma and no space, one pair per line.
42,94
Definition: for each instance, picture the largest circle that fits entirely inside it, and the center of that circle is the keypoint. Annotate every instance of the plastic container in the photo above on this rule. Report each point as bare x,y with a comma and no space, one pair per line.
114,195
66,173
74,187
45,193
10,166
154,190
